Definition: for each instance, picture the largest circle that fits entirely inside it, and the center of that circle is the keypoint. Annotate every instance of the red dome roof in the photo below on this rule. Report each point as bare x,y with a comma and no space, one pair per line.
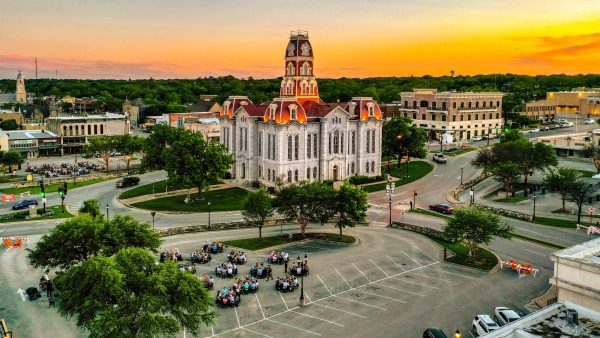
232,104
282,109
362,105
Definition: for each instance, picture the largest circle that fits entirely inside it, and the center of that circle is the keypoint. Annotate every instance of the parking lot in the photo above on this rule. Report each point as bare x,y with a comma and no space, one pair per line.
391,284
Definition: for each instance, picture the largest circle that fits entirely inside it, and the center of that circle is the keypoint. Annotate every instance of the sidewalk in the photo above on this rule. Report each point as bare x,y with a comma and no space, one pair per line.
133,200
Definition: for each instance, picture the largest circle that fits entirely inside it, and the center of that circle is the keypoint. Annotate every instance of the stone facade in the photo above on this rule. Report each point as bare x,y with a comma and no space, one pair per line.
298,137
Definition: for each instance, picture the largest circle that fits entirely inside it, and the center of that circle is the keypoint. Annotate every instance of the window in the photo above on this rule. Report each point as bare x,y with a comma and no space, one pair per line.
477,104
462,117
260,171
497,115
269,146
453,118
462,105
341,142
289,147
367,166
405,104
296,175
245,139
336,142
497,103
260,143
453,104
329,143
373,166
293,109
308,144
443,117
308,174
352,168
414,116
368,140
89,129
414,104
372,141
296,146
432,117
353,142
470,104
272,109
423,104
483,104
315,148
490,115
491,104
476,117
371,108
101,129
289,176
469,117
243,170
315,173
95,129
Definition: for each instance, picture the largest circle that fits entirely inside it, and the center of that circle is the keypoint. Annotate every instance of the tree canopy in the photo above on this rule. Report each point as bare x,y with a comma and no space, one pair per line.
399,136
101,146
560,181
9,125
300,202
350,206
257,209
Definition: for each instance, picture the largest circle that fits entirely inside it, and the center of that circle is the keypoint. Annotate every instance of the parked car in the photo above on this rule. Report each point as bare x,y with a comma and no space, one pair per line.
588,121
545,129
534,130
476,138
504,315
24,204
443,208
128,181
554,126
566,124
559,121
483,324
439,158
434,332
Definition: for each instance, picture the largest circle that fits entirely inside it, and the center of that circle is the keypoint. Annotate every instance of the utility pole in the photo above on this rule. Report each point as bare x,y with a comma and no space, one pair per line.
390,188
461,176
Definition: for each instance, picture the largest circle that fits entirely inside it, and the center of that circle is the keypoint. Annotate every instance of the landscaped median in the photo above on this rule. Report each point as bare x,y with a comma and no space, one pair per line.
416,170
220,200
53,187
266,242
53,212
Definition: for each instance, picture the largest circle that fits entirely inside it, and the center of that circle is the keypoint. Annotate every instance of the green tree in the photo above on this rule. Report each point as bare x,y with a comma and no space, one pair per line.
399,136
323,196
476,227
507,173
350,206
560,181
528,156
91,207
9,125
100,146
156,144
580,193
193,162
11,159
81,237
299,202
128,146
512,135
257,209
593,152
129,295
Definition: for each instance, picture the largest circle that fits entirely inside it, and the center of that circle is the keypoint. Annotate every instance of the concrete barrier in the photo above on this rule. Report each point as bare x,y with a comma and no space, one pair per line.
423,230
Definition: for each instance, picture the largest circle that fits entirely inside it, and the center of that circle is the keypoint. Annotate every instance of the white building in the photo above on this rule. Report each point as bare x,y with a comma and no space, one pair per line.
298,137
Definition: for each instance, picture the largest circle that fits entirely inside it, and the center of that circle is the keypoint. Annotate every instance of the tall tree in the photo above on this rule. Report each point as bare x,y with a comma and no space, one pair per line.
257,209
298,202
11,159
399,136
476,227
81,237
9,125
323,196
350,206
512,135
560,181
129,295
101,146
580,193
593,152
507,173
128,146
156,144
528,156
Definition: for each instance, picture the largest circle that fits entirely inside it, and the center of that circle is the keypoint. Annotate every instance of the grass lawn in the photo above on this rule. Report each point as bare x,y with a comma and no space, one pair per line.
147,189
460,152
416,170
538,241
221,200
587,173
511,199
484,259
10,178
555,222
430,213
265,242
19,216
50,188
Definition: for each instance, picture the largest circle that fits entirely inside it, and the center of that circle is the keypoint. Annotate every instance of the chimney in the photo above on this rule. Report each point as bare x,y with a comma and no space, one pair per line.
351,107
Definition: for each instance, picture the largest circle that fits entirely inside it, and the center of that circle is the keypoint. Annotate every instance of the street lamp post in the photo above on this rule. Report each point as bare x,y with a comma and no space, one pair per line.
389,188
106,210
208,214
153,213
533,216
472,196
302,301
407,162
457,334
461,176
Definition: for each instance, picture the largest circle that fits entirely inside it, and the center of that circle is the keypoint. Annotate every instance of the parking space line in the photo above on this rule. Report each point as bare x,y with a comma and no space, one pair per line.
336,270
237,317
394,288
471,333
411,282
283,300
324,285
400,266
306,295
294,327
212,329
444,280
260,306
452,273
318,247
379,267
405,254
258,333
363,303
340,310
361,272
433,259
390,298
325,320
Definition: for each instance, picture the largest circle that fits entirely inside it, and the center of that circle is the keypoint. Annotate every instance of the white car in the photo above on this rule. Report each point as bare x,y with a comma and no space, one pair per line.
588,121
483,324
504,315
476,138
535,130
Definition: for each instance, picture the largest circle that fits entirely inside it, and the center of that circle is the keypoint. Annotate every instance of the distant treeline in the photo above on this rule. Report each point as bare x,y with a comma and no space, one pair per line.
167,94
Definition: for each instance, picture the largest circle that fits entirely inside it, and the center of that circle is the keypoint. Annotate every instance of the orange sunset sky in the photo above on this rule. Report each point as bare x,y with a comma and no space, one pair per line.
351,38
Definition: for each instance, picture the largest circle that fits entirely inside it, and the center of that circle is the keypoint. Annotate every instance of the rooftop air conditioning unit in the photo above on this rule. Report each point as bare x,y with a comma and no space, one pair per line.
572,317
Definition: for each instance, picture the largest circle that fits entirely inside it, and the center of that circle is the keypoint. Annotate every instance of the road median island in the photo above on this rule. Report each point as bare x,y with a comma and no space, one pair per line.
53,187
227,199
272,241
53,212
416,171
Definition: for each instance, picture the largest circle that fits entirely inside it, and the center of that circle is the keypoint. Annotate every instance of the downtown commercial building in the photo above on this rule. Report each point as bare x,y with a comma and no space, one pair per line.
582,101
462,115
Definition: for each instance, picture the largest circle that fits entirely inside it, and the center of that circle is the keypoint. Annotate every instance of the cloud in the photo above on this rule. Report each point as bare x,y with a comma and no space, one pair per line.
77,68
569,51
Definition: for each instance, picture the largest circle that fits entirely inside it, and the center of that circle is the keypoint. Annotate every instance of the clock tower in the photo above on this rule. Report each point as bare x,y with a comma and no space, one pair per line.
299,81
21,94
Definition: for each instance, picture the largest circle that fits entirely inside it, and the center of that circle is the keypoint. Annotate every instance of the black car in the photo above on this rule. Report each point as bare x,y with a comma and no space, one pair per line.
24,204
128,182
434,332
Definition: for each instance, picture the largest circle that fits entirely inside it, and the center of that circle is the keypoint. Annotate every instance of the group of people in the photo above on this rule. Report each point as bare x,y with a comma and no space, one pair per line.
189,267
236,257
172,255
278,258
300,268
228,297
53,170
209,282
214,247
200,257
226,270
246,285
287,283
261,271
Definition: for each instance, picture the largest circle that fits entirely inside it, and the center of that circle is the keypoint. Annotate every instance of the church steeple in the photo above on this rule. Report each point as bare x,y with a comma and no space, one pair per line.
299,81
21,94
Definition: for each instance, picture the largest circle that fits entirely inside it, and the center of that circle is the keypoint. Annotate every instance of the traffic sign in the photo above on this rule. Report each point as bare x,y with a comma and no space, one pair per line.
44,200
471,192
592,210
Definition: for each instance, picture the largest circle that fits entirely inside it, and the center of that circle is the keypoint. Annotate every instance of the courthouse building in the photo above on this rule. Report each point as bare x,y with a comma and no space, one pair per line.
298,137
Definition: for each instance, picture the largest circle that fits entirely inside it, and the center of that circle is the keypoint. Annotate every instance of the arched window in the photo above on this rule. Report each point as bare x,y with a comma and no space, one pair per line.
433,105
329,143
308,174
289,150
483,104
291,70
352,168
414,116
373,166
497,103
353,142
491,104
453,118
289,176
462,117
296,175
304,88
414,104
272,109
314,173
367,166
424,104
444,117
313,86
483,116
432,117
341,142
243,170
469,117
308,145
454,104
296,146
476,117
470,104
462,105
477,104
405,104
497,115
293,115
336,142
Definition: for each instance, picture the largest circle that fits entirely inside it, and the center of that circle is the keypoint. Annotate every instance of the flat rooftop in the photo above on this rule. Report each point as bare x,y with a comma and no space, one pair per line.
89,117
587,252
27,134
